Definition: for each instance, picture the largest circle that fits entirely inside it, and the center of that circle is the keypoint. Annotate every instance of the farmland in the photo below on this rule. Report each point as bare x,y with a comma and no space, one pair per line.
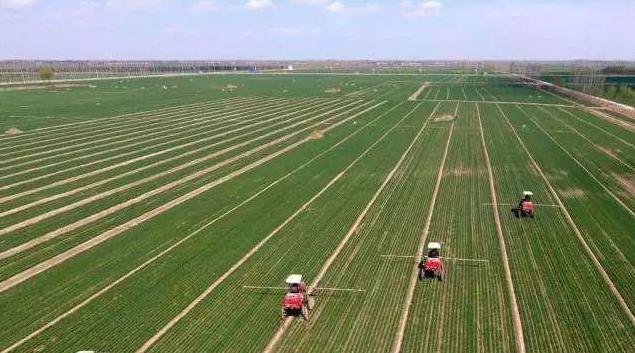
160,214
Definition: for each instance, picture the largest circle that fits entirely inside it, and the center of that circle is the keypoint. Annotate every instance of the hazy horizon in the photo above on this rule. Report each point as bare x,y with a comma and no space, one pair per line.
298,30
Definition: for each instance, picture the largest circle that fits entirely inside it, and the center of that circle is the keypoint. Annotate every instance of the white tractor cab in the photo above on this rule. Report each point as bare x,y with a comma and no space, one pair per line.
432,264
526,207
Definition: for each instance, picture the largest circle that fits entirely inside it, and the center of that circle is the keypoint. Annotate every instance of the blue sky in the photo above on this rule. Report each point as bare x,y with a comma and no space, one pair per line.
317,29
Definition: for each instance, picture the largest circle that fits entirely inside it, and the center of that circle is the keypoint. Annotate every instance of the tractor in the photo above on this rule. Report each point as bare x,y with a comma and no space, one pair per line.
432,264
297,300
526,207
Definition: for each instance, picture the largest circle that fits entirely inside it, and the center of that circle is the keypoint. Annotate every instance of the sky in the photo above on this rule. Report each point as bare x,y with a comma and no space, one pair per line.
317,29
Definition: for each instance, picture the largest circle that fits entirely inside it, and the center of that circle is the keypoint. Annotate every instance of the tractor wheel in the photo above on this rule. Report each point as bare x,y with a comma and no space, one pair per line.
283,314
440,277
422,275
305,312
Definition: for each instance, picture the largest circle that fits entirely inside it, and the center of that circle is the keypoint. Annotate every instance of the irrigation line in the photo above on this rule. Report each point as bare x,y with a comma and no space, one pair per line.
316,288
619,201
443,257
515,204
569,219
401,329
518,327
205,226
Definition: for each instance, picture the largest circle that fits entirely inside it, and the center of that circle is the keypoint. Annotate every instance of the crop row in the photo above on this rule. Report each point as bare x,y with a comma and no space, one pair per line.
606,224
564,303
469,310
226,243
85,214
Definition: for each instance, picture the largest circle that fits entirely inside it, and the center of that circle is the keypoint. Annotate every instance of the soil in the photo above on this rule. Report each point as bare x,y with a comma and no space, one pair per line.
316,135
445,117
332,90
628,182
608,151
13,131
624,124
573,193
460,172
415,95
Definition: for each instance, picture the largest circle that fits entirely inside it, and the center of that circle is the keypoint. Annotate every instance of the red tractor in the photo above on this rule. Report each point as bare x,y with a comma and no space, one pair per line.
297,300
432,265
526,207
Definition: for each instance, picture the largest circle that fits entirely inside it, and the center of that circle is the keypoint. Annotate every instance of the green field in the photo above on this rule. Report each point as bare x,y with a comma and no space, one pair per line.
156,215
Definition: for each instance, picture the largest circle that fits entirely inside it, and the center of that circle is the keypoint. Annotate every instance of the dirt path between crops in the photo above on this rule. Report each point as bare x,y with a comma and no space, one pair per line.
51,137
626,125
110,152
518,327
501,102
415,95
183,123
144,157
401,329
75,140
618,200
569,219
206,225
188,129
599,128
179,114
251,252
352,230
613,106
627,182
602,149
44,130
53,234
43,266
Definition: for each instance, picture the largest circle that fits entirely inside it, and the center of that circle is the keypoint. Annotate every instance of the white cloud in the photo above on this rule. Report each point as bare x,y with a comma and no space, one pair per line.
336,7
205,6
296,31
288,31
16,3
340,8
259,4
421,10
368,8
311,2
135,5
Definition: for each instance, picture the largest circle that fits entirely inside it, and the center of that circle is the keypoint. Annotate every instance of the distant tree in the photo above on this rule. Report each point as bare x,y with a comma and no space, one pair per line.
611,91
46,73
624,90
557,80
